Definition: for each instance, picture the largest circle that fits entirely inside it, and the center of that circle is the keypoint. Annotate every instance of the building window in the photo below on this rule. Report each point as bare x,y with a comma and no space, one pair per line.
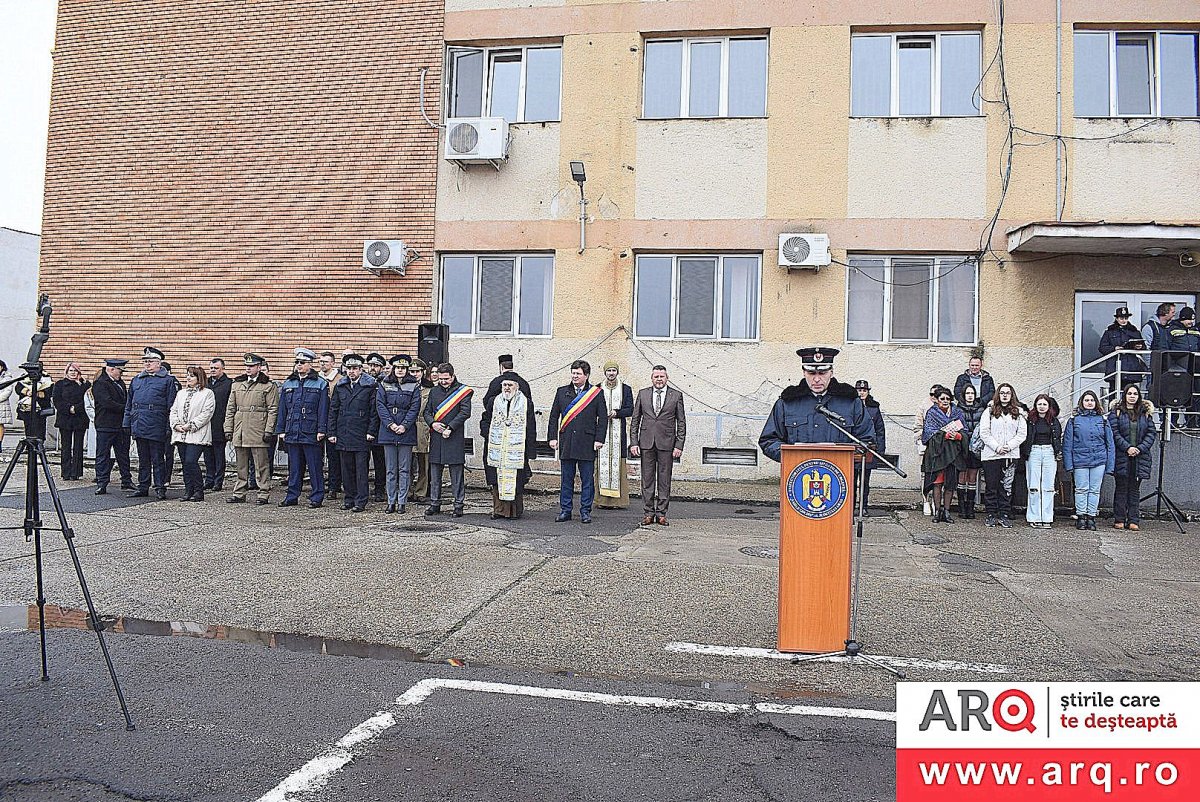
497,295
520,84
912,299
915,75
697,297
705,77
1130,74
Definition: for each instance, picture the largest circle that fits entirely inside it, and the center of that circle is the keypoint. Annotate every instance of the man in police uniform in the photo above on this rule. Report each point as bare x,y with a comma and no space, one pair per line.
147,416
301,425
375,365
796,417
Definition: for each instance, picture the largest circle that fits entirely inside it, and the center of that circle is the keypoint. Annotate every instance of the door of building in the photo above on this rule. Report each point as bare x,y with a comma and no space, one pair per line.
1094,314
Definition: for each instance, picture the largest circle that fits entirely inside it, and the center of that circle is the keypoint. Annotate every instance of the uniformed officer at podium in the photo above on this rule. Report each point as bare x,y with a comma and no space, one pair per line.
805,412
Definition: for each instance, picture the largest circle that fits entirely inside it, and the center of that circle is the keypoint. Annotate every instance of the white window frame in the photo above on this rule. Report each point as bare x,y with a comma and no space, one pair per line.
685,82
1155,71
935,88
476,286
718,301
489,55
934,298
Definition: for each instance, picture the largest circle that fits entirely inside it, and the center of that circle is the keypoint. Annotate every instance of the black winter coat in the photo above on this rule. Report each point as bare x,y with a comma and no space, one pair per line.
109,397
450,450
987,387
1138,432
353,416
875,414
67,397
221,388
1115,338
577,440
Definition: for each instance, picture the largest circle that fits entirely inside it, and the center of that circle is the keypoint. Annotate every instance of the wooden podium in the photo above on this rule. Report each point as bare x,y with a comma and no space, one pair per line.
816,514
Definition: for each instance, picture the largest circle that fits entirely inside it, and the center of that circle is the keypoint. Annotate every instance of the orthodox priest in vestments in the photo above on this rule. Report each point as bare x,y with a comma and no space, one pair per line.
511,441
612,483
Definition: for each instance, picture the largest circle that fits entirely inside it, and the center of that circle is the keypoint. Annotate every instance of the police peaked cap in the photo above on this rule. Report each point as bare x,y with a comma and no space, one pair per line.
400,360
115,363
252,359
818,358
305,354
352,360
152,353
374,358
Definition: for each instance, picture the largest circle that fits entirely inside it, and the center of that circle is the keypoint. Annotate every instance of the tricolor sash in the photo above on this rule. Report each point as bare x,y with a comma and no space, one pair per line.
453,400
579,405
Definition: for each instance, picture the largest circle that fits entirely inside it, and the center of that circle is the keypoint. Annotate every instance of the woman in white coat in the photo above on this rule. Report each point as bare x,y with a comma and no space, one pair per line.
1002,430
191,415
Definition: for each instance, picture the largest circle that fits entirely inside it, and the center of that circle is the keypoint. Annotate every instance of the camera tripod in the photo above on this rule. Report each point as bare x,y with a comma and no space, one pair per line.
34,450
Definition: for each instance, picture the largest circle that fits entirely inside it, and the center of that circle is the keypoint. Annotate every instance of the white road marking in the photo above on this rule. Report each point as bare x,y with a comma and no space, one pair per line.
898,662
317,772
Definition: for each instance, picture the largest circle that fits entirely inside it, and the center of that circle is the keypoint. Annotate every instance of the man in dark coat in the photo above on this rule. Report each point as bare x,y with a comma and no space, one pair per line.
485,422
214,455
148,418
354,428
374,368
301,425
1186,337
796,416
985,385
1122,336
576,430
109,395
863,388
447,413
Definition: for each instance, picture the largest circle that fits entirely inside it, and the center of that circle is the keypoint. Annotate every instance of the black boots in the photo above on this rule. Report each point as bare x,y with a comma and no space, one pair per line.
967,508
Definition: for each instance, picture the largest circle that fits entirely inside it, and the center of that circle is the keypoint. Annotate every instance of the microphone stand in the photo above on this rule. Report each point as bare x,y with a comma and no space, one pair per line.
853,650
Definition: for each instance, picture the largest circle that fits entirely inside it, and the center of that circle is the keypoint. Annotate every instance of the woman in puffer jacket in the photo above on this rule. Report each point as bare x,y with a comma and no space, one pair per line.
1088,450
1002,430
1132,421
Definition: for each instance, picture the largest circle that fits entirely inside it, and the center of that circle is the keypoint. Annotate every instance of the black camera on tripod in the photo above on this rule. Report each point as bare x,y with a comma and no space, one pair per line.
33,390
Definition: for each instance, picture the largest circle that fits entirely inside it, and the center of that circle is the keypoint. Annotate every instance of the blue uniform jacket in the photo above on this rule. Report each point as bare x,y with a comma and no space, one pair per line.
303,408
877,424
1088,441
794,418
399,404
148,405
352,414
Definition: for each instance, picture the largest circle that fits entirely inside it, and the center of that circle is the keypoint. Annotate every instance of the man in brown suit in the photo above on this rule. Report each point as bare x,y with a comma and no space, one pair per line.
657,430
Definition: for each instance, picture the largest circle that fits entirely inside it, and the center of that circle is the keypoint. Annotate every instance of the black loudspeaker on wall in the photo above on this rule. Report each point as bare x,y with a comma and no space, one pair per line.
433,343
1171,378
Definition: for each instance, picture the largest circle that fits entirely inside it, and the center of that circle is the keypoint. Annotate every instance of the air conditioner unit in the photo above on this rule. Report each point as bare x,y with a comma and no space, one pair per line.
804,250
381,255
476,140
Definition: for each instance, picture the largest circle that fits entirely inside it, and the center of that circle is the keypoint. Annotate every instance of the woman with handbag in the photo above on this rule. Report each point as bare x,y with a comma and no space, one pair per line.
191,416
1002,430
942,436
1088,453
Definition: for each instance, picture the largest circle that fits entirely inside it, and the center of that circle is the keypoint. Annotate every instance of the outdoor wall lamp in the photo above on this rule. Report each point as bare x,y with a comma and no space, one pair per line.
579,176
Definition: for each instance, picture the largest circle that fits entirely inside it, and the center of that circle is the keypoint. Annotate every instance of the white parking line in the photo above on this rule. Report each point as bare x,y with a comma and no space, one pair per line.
317,772
898,662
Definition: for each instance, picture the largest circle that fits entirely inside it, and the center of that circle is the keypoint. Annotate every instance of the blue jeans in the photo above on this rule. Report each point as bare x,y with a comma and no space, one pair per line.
301,456
587,485
1087,490
1039,474
399,475
193,478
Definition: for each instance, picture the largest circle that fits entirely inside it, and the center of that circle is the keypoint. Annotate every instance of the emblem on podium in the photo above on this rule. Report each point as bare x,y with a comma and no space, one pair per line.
816,489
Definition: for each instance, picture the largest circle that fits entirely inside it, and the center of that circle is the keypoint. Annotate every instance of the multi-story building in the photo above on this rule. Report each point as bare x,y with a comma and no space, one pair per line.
971,206
214,170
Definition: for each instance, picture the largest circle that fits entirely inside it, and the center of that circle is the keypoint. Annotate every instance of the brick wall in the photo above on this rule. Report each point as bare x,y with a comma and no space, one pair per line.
213,168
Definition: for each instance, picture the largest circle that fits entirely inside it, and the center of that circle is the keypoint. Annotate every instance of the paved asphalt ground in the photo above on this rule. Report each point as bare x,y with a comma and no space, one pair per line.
593,613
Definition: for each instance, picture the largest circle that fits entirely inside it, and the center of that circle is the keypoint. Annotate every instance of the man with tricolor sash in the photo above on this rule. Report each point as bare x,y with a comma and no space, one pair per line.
447,412
577,431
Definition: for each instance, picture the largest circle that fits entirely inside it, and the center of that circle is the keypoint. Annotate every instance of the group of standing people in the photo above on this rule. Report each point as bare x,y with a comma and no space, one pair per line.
405,417
983,427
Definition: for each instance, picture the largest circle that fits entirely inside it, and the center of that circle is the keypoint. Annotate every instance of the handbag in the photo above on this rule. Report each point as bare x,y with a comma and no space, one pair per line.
976,445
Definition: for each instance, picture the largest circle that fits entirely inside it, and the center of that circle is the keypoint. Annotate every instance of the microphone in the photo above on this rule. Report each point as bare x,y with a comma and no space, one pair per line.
829,413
